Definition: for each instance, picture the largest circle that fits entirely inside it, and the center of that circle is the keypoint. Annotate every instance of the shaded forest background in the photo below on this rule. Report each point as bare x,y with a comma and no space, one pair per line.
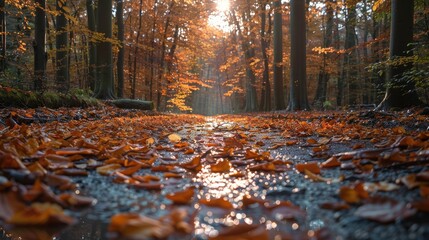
166,51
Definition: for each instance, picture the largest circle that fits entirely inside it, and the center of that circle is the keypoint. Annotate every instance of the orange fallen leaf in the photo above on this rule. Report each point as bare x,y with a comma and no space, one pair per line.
424,191
108,169
182,197
71,172
223,165
331,163
73,200
40,214
193,165
9,161
243,231
131,170
263,167
146,178
311,166
172,175
134,226
217,202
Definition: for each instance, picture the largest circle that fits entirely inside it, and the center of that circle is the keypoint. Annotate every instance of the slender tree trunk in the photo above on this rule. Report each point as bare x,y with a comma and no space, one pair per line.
121,53
104,51
401,92
161,69
62,48
278,57
39,47
92,54
249,53
322,85
298,86
136,51
3,30
151,54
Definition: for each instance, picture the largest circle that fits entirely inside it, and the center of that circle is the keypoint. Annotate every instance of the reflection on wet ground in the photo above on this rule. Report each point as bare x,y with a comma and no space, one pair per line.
113,198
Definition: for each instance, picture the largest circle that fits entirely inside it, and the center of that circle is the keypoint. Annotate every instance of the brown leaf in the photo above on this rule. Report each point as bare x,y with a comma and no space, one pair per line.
243,232
311,166
223,165
40,214
134,226
9,161
217,202
385,211
336,206
182,197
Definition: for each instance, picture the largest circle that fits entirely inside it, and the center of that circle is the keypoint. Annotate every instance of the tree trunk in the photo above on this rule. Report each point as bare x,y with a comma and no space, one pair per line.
401,91
39,46
322,85
104,51
136,52
266,86
3,30
249,53
92,54
121,53
298,86
279,97
62,60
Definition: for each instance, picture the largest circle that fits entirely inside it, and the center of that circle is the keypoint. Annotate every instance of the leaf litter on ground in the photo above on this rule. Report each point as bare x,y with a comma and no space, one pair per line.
202,164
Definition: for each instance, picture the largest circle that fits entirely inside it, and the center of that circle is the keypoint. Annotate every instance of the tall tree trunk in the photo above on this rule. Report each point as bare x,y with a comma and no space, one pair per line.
136,51
265,100
62,48
298,86
39,46
104,51
152,51
161,67
3,30
401,92
249,53
121,53
322,85
348,73
92,54
279,97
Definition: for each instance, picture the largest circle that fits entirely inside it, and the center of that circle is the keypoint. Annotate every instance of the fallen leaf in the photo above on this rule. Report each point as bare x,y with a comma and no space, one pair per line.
222,165
311,166
217,202
182,197
331,163
134,226
336,206
40,214
380,186
385,211
243,232
174,138
108,169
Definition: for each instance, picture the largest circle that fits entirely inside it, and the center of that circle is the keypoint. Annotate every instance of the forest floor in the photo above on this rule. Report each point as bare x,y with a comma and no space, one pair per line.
106,173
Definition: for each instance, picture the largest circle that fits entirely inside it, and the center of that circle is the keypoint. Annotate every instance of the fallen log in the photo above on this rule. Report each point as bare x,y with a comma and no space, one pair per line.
132,104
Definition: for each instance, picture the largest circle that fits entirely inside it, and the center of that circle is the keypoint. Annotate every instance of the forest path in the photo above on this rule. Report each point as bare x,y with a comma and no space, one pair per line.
261,176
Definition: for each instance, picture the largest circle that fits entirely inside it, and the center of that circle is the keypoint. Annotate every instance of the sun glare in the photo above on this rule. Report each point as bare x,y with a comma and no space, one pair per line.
219,18
222,5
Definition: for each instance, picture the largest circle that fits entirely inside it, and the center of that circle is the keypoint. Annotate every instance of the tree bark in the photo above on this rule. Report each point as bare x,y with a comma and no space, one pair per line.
104,51
3,30
62,46
39,46
136,52
265,101
322,85
298,86
401,92
121,53
279,97
92,54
